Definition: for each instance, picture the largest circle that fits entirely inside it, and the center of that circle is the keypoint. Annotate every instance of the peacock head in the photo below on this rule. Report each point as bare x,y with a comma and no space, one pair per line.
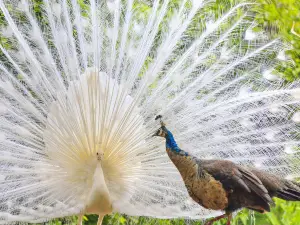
100,155
162,131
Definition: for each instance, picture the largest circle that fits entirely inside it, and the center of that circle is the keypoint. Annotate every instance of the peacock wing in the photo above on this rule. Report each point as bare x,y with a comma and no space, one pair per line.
235,177
255,184
225,172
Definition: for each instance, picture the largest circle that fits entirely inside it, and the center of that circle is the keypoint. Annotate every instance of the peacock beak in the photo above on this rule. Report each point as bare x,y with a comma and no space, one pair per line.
154,135
157,133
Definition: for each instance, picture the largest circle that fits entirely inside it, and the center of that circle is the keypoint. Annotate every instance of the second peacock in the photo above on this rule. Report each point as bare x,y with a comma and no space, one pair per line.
224,185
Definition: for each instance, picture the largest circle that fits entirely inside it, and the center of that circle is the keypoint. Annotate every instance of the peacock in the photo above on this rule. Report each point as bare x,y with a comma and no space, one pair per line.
82,80
222,185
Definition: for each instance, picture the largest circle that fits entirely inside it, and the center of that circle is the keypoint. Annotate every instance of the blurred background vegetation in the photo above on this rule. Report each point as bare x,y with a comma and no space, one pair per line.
279,18
284,213
282,18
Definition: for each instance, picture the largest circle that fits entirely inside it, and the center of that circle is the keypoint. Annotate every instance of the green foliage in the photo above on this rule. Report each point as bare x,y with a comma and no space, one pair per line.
283,213
277,17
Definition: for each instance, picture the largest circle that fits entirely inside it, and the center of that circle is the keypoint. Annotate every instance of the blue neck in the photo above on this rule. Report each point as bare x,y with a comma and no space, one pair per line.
171,143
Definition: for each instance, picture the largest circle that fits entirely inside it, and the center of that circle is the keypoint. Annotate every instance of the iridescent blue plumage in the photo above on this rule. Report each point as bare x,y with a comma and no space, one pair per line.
171,143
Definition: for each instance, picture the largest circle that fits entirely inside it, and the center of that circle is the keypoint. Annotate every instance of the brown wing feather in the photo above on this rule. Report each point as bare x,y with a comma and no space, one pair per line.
255,184
233,176
225,172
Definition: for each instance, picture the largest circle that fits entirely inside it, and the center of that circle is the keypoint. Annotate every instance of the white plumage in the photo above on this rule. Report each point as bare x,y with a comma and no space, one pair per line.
81,83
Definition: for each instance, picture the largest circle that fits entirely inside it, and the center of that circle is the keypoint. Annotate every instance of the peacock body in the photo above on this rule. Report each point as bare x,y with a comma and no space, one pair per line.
80,84
222,185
